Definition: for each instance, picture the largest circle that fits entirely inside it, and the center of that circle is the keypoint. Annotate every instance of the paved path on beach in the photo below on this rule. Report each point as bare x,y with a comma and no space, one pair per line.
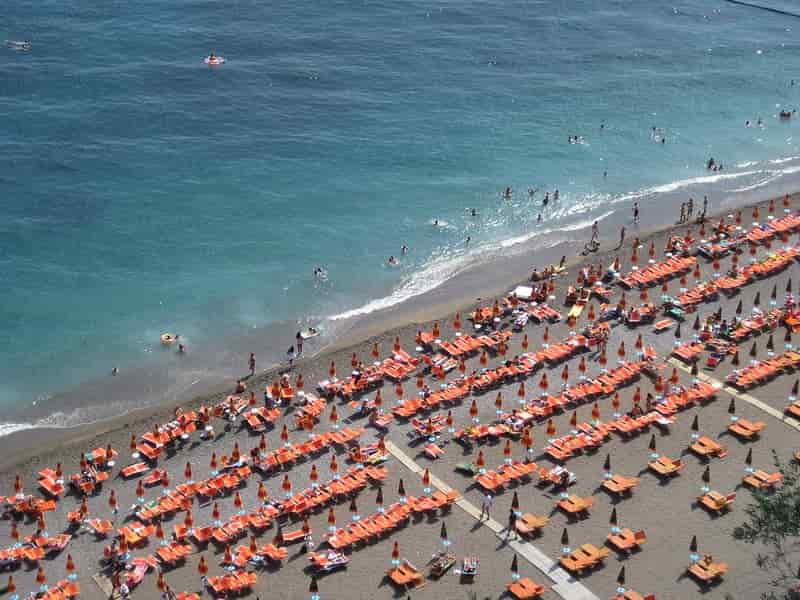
737,394
564,584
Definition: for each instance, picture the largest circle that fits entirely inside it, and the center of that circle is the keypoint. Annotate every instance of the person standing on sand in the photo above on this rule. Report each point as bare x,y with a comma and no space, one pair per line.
690,208
298,339
635,212
705,205
683,213
595,233
290,356
621,238
252,364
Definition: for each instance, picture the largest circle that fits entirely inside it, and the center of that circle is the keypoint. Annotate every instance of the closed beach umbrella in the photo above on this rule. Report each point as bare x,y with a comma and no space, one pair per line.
480,462
70,566
188,520
378,399
770,343
551,427
14,531
615,401
133,442
401,489
696,423
574,418
564,374
41,578
202,566
521,390
652,444
565,537
112,500
621,350
187,472
396,551
443,532
621,576
613,519
607,464
331,517
334,415
17,484
693,544
524,342
739,308
457,322
334,465
473,409
379,497
757,299
237,500
215,511
286,485
507,449
299,383
498,401
484,358
514,565
228,556
732,407
748,460
707,475
313,587
543,383
11,587
602,359
213,462
596,411
546,334
332,370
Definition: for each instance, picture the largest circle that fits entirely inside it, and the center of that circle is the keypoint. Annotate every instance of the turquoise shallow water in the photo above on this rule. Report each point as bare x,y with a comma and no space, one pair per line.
143,192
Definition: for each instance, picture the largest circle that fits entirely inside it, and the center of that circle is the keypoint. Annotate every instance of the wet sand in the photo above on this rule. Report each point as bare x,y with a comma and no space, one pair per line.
665,511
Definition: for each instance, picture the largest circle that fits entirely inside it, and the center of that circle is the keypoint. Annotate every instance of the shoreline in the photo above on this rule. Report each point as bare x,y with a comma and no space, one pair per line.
159,377
403,320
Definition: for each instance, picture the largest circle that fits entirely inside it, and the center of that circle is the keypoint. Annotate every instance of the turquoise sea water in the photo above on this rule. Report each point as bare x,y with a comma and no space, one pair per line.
142,191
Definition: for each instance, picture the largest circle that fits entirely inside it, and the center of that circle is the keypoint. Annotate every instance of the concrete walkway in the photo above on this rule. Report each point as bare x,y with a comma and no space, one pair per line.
788,421
564,584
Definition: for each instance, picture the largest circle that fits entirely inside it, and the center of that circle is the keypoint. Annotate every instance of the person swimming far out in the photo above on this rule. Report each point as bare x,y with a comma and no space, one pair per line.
507,193
392,261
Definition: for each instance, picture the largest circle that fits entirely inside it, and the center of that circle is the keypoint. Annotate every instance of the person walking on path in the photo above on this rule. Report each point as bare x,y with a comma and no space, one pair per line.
252,364
512,523
486,507
635,212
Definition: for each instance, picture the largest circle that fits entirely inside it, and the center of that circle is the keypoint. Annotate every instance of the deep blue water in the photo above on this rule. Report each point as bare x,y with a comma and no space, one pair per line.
142,191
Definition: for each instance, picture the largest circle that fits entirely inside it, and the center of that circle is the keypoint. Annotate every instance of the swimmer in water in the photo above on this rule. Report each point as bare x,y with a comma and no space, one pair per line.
539,218
469,239
436,222
473,212
507,193
531,192
404,249
392,261
546,198
555,195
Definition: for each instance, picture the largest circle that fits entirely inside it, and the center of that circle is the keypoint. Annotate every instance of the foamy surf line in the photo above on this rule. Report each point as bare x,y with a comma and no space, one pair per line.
438,271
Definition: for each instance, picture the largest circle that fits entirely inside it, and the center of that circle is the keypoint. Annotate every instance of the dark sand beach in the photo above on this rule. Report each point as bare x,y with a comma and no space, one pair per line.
667,512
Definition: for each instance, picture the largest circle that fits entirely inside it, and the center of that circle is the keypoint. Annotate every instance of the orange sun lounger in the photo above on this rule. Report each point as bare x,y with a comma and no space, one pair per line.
619,485
716,502
665,467
707,571
406,575
627,540
529,525
746,429
525,588
763,481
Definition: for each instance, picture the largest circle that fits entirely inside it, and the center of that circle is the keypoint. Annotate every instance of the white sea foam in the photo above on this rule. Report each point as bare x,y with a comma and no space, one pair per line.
440,269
